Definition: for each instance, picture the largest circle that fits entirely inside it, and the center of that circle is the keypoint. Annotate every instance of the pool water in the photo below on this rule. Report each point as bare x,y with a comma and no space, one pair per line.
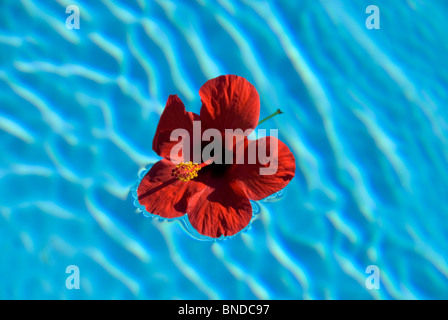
365,114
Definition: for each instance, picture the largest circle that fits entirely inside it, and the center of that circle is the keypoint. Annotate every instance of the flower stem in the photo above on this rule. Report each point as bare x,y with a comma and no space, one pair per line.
272,115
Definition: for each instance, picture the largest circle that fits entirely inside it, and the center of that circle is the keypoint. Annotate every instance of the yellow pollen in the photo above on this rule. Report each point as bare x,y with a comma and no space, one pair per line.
186,171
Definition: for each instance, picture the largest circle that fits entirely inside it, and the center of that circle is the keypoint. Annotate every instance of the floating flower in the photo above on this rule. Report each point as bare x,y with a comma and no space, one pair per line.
214,194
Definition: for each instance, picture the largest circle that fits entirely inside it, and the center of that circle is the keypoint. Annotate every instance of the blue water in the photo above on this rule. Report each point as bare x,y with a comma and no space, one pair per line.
365,116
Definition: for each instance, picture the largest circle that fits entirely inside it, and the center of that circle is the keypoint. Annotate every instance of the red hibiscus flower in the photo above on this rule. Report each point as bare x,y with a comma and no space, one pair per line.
215,196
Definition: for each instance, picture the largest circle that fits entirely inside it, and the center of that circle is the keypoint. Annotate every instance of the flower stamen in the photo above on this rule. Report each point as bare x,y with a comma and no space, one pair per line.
186,171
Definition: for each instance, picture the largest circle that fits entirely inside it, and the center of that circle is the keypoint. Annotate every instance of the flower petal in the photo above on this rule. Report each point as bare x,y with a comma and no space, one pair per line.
173,117
257,186
229,102
219,210
163,195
